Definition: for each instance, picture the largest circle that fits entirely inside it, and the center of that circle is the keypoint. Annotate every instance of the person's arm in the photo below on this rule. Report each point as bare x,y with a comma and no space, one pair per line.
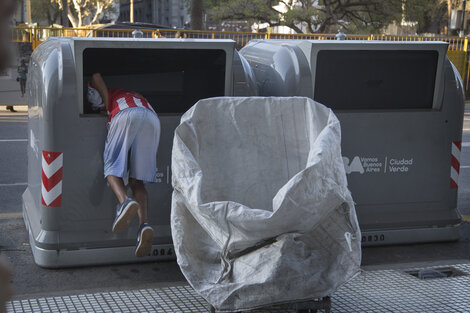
98,83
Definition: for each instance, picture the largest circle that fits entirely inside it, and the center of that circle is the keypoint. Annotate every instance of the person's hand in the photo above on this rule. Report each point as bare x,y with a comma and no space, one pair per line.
6,275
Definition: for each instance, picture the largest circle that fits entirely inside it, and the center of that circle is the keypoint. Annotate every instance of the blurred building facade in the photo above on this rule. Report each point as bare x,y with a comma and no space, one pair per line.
19,17
168,13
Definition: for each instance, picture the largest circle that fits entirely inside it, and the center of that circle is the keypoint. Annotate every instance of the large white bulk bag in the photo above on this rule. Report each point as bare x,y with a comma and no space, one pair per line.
261,212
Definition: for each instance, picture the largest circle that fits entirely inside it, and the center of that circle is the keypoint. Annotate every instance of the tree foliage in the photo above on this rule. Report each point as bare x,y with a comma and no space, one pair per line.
322,16
44,10
86,12
431,15
197,11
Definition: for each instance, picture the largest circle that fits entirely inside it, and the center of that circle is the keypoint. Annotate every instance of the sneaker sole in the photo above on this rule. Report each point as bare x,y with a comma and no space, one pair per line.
145,244
126,217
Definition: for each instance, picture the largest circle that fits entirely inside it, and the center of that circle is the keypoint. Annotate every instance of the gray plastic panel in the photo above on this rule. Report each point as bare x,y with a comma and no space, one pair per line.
397,157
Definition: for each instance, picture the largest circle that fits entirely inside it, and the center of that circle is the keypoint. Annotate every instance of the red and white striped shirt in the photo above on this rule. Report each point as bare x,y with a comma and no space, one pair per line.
120,99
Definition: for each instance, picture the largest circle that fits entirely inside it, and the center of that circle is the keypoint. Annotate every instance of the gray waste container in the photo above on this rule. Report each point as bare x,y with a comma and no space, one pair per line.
401,106
68,209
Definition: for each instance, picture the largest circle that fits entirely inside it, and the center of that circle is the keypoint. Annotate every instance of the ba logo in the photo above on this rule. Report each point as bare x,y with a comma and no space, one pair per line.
354,166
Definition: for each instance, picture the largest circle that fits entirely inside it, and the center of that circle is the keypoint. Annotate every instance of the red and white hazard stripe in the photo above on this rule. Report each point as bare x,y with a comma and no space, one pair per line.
51,187
455,164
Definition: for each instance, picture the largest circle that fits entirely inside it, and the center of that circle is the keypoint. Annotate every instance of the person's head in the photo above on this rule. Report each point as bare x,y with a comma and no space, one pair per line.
94,98
7,8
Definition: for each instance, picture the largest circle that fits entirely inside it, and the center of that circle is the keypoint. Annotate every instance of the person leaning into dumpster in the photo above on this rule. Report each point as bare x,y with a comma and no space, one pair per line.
131,145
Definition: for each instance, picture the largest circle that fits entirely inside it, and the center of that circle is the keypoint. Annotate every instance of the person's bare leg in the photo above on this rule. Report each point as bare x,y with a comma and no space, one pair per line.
126,212
117,186
140,195
145,234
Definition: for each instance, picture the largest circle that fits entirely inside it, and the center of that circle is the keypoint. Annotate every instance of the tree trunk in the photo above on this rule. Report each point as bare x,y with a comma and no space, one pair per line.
450,5
73,20
196,14
324,27
99,10
28,12
65,13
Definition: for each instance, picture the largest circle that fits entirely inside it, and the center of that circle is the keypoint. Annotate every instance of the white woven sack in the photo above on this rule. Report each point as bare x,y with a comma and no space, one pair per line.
261,212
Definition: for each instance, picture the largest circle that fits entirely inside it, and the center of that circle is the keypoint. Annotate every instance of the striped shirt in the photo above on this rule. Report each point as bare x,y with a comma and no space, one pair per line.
121,99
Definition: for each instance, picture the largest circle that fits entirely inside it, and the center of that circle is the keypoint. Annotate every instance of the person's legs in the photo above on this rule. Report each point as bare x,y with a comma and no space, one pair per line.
117,186
121,134
143,167
145,233
126,209
140,195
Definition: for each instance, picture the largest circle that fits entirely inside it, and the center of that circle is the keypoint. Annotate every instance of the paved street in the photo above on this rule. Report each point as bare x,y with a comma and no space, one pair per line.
13,159
32,280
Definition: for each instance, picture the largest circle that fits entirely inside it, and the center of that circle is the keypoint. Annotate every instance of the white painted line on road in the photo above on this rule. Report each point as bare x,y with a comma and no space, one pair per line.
466,129
14,184
465,144
10,216
465,166
12,140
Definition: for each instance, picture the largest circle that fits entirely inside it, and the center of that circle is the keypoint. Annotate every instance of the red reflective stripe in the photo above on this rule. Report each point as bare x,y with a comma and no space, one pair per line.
56,203
455,164
458,144
50,183
49,157
453,184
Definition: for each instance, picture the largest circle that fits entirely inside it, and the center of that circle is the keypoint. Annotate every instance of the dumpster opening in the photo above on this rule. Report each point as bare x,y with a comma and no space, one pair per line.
172,80
376,79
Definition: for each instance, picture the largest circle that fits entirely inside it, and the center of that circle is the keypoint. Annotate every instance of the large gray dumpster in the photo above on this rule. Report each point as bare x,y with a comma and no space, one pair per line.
401,106
68,209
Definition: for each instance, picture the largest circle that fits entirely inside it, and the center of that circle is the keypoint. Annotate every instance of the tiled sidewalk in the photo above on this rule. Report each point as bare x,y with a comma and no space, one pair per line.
371,291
